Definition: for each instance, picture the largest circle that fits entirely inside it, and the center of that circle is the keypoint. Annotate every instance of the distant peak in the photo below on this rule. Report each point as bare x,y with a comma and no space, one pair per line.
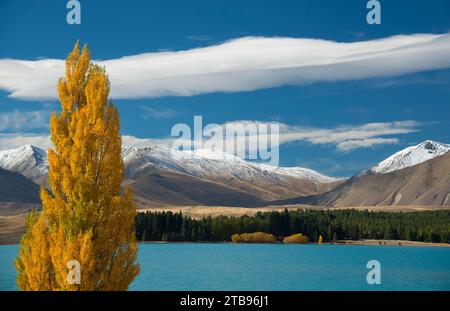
29,147
411,156
432,145
33,149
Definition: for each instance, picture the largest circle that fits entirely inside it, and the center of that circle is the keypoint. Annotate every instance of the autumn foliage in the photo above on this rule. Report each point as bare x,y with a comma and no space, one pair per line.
86,216
297,238
255,237
320,239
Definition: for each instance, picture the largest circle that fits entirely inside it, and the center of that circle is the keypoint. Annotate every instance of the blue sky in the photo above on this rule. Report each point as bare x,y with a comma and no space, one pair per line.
31,30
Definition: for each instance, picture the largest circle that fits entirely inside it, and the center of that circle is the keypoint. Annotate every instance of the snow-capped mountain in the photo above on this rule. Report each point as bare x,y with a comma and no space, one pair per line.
28,160
32,162
410,156
207,163
302,173
163,177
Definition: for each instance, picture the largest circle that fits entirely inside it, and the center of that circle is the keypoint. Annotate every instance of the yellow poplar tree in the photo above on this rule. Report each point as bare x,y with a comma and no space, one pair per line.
86,215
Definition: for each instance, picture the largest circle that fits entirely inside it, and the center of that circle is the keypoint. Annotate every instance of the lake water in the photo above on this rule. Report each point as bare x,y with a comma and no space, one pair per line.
198,266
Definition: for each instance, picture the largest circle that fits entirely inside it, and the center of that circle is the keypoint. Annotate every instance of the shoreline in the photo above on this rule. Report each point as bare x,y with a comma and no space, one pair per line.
366,242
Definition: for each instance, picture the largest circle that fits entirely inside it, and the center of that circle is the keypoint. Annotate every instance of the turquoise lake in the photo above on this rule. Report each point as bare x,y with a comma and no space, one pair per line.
202,266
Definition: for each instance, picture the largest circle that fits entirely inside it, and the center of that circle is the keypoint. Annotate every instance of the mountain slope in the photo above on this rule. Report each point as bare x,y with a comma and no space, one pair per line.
427,183
17,188
204,163
168,188
258,181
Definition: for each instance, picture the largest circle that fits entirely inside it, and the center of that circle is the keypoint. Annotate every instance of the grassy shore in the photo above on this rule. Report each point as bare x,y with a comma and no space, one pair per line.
12,228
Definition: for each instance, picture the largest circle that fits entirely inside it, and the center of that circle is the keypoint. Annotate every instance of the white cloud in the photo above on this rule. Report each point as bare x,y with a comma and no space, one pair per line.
19,121
345,133
365,143
10,141
15,140
132,141
158,113
344,138
243,64
199,37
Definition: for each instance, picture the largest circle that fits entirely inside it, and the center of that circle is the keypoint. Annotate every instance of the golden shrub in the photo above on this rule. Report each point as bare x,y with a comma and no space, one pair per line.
255,237
297,238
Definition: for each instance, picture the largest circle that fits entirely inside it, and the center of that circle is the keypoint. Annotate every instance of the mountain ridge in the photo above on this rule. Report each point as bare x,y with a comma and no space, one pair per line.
162,177
426,183
32,162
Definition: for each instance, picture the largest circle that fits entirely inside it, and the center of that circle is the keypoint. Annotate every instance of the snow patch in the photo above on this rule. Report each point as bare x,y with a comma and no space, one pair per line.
28,160
410,156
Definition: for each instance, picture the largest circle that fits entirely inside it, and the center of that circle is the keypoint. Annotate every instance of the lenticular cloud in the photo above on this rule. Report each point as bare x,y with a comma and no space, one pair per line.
243,64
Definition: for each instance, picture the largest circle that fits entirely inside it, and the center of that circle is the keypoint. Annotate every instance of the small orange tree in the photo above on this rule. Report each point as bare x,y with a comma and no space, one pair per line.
86,216
320,239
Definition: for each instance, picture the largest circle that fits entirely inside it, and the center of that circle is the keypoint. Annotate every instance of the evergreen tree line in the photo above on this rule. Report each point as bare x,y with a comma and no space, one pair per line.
427,226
